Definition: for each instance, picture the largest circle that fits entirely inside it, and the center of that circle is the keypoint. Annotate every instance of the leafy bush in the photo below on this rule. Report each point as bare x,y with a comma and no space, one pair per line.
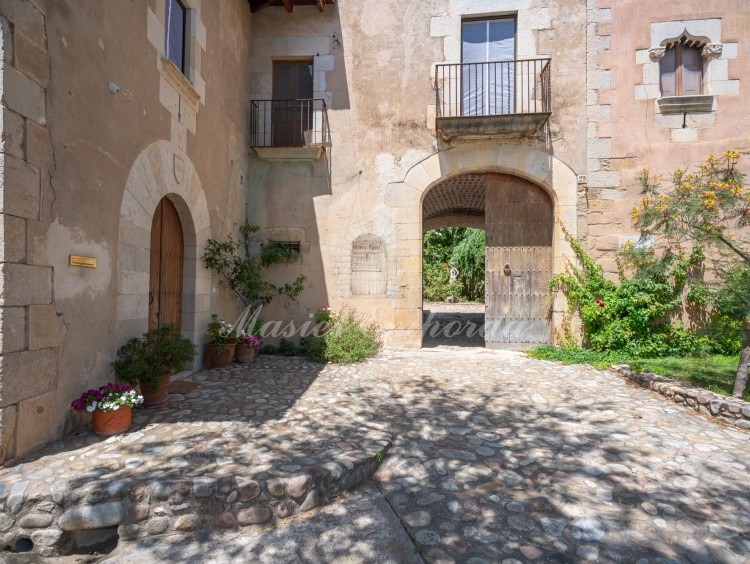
348,339
633,315
150,357
267,349
468,258
314,348
437,285
287,348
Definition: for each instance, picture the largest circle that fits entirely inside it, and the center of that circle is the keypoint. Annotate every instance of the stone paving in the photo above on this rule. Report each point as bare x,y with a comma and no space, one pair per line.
495,457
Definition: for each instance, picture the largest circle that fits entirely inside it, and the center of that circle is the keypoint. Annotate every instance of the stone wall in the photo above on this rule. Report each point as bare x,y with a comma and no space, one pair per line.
31,331
97,127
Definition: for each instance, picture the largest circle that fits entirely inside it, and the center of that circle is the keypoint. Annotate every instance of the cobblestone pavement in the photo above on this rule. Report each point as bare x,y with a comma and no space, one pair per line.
496,457
452,325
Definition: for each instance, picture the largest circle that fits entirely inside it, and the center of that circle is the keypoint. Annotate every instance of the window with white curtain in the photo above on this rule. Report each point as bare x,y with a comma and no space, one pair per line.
488,48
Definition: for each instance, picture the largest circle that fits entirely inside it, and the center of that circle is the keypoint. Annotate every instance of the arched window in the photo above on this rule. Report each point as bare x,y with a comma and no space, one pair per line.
681,69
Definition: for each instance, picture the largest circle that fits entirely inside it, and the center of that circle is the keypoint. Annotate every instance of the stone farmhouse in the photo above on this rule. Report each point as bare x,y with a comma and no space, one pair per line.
134,132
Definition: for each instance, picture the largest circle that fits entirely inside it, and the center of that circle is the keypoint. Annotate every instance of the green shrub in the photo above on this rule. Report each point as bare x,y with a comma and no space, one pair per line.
349,339
287,348
148,358
633,315
267,349
314,348
725,335
437,285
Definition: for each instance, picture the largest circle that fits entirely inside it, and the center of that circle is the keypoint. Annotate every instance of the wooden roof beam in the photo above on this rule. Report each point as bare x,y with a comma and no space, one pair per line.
321,4
289,5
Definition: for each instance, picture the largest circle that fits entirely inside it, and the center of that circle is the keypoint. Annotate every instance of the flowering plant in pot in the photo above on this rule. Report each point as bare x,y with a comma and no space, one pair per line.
246,345
110,407
150,360
222,340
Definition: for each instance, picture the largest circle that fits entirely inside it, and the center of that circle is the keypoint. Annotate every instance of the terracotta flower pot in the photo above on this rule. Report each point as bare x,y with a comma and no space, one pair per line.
244,353
221,358
155,396
107,423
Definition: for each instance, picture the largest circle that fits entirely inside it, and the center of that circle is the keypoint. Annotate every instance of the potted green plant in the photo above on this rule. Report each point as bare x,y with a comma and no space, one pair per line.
110,407
222,340
150,361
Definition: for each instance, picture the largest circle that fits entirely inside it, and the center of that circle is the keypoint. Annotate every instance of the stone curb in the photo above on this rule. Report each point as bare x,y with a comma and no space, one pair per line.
731,411
51,516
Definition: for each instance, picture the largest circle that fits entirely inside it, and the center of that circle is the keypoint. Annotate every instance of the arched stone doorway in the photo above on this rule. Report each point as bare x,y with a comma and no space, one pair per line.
406,197
518,219
161,171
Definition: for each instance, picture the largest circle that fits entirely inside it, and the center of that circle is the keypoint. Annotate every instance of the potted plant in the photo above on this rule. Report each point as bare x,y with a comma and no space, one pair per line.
222,340
247,343
150,361
110,407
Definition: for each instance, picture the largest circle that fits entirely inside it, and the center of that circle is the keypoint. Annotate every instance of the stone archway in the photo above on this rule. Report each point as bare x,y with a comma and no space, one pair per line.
162,170
556,178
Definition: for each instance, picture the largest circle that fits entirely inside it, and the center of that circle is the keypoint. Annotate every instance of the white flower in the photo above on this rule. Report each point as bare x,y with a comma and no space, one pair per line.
90,408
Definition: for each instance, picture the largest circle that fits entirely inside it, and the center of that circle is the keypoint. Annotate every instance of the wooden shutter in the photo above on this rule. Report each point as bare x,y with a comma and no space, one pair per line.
668,72
175,33
692,65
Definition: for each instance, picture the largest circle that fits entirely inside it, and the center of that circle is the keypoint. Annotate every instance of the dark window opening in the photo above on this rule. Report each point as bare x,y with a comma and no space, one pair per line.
175,33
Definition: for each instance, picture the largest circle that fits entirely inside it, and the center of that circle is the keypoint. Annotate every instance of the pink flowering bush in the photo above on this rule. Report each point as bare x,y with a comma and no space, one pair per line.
109,397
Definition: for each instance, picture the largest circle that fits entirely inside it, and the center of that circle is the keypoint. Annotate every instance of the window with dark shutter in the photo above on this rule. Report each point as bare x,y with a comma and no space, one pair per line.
681,71
175,33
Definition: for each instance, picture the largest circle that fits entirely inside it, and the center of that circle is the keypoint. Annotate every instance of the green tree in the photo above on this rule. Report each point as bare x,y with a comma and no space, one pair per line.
468,258
709,208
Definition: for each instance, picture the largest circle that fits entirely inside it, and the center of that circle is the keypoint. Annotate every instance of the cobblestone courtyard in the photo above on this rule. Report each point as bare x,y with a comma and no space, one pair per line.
490,457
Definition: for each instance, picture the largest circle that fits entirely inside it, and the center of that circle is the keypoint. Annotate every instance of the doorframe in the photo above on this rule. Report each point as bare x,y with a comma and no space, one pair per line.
162,170
406,198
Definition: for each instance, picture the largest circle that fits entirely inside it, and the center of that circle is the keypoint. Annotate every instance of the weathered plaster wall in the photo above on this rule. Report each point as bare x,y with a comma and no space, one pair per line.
379,65
627,131
81,188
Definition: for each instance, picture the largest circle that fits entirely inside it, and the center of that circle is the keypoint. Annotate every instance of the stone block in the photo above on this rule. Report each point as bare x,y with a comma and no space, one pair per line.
599,79
26,18
25,284
22,189
36,420
13,134
599,149
8,420
23,95
6,41
724,87
687,135
12,329
604,179
37,144
27,374
31,59
92,517
407,319
45,327
443,26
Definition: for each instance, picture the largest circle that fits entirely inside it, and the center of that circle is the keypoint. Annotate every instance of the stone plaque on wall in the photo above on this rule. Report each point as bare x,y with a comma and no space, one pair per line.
369,267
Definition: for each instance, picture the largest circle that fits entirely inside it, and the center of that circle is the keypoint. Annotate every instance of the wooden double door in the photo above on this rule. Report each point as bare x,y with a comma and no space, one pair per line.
519,221
167,258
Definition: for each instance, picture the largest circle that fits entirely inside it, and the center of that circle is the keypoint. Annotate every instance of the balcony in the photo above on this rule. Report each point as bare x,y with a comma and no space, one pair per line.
495,99
283,130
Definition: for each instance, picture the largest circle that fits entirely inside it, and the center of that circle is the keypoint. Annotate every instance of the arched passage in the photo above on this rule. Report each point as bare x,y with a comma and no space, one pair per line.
162,171
547,172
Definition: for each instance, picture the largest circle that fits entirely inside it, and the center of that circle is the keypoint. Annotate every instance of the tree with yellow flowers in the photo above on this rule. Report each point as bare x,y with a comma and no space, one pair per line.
709,208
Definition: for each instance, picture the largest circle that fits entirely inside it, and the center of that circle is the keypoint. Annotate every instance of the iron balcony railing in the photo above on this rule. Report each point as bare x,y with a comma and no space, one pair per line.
493,89
289,123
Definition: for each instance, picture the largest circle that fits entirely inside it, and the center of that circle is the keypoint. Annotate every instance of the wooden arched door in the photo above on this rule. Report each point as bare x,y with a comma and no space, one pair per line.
519,218
167,254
